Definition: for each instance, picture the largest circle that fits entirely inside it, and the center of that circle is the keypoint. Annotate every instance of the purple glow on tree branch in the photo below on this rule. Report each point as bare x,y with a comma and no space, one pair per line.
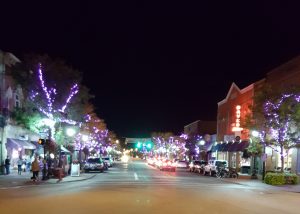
74,90
45,88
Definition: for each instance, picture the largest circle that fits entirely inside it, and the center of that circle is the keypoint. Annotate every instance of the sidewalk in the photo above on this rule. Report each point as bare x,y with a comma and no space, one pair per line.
13,179
258,183
81,177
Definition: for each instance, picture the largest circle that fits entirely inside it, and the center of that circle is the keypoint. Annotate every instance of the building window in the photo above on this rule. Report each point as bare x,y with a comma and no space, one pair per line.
17,101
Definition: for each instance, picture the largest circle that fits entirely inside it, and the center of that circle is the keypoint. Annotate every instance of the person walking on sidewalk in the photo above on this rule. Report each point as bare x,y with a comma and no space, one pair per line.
20,162
7,165
35,167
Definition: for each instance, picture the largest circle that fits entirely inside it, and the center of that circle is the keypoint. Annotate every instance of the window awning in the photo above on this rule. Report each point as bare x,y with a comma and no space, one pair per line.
16,143
238,146
63,149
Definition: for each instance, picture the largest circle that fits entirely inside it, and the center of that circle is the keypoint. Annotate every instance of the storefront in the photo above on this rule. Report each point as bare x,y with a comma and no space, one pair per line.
19,148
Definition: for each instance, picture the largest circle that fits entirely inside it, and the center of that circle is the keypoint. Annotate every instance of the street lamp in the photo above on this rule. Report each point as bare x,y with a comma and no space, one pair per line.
255,133
70,132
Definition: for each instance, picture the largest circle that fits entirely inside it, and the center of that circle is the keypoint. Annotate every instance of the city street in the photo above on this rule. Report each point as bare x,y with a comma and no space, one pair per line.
135,187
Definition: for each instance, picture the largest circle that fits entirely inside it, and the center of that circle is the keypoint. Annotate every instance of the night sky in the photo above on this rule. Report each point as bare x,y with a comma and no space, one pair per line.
156,66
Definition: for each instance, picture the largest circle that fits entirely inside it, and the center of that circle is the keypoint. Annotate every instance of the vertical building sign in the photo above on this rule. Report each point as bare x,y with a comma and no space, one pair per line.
237,126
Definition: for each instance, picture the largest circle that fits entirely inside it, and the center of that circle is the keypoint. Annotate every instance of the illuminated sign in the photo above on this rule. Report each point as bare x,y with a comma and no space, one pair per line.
237,127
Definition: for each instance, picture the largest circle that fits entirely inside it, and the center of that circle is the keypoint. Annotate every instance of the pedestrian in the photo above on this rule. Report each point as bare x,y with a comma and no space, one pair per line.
24,165
7,165
35,167
19,163
28,164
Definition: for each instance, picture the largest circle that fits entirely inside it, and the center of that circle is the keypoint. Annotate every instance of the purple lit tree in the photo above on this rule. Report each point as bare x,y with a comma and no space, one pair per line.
55,87
44,97
93,136
169,146
282,116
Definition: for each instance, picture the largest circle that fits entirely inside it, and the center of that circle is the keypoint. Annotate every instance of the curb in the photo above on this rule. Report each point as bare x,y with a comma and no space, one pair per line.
63,181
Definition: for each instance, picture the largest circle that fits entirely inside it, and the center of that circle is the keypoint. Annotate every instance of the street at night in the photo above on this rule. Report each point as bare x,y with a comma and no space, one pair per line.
145,107
136,187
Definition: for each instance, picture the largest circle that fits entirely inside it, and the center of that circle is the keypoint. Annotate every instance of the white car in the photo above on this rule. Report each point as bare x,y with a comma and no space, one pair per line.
181,164
211,167
109,161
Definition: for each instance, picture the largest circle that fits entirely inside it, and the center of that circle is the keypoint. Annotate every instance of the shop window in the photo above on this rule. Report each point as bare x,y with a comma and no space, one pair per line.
287,159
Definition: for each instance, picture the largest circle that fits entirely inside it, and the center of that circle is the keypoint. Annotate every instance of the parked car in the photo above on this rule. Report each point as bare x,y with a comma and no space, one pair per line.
151,161
94,164
197,166
212,165
181,164
109,161
105,165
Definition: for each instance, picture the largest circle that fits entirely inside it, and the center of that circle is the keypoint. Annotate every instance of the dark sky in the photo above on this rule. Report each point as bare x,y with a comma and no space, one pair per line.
156,66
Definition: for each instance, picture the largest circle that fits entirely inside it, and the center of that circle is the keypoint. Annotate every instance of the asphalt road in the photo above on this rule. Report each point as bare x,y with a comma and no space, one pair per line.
136,187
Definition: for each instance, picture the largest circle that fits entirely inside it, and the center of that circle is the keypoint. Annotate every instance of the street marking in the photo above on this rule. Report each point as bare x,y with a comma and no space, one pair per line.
136,177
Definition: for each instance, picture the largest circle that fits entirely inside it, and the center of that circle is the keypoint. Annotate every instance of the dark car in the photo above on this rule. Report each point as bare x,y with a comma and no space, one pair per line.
197,166
94,164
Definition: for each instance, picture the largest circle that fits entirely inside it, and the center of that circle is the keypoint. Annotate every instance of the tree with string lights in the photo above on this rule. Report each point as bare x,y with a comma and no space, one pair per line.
276,118
283,119
168,145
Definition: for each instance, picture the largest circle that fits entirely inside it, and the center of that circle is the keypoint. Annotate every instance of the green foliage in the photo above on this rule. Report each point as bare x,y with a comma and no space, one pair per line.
28,119
255,147
59,136
291,178
281,178
274,178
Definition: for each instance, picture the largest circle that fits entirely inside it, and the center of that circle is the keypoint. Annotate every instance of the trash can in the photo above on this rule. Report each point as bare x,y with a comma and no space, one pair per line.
58,173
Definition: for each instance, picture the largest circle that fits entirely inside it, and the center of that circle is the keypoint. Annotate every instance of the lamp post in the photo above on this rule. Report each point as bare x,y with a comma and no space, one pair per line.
256,134
70,132
254,176
50,124
201,143
45,176
264,161
84,138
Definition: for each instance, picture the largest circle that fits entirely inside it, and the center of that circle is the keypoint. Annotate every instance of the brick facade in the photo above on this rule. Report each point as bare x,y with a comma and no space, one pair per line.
226,117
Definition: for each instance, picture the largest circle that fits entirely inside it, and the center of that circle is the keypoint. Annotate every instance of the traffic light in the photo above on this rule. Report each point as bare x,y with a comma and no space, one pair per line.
149,145
41,141
138,145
